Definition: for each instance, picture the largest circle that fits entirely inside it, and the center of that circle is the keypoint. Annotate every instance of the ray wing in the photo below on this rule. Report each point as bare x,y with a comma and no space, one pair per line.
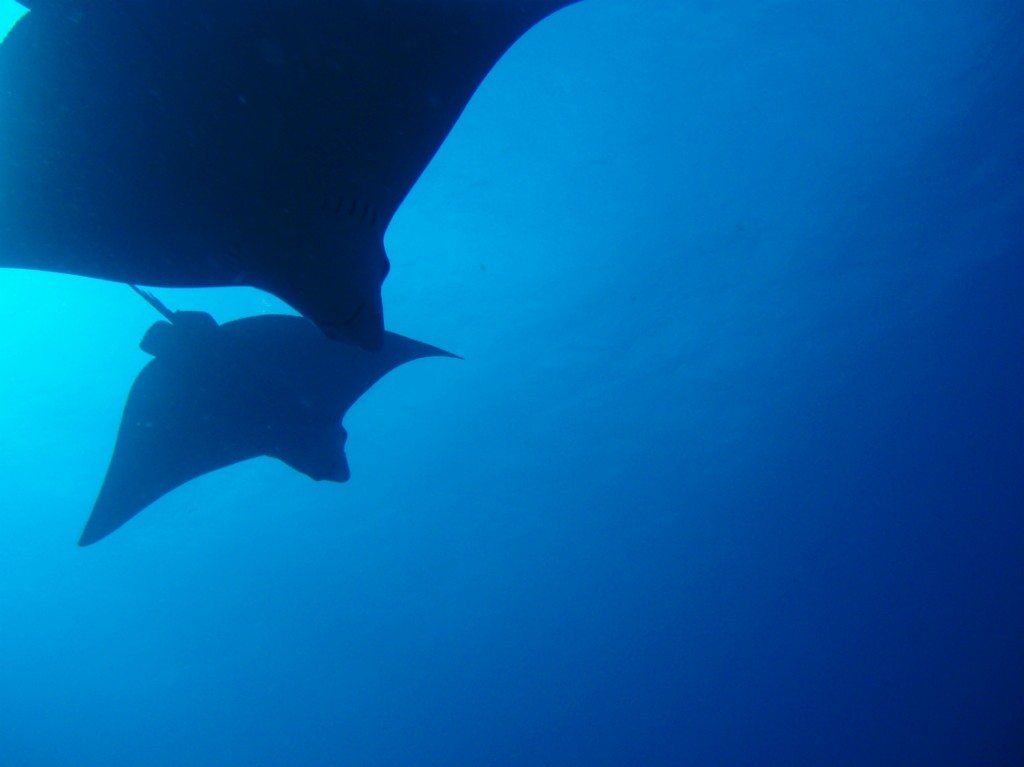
166,439
352,98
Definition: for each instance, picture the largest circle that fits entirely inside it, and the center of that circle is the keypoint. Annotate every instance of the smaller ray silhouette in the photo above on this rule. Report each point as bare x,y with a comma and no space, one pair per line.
215,395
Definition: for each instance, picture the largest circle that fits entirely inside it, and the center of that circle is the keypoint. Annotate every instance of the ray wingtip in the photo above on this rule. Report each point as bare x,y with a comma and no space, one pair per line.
87,539
95,531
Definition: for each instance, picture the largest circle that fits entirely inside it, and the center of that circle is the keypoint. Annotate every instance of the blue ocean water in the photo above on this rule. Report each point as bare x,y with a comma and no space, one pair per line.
732,473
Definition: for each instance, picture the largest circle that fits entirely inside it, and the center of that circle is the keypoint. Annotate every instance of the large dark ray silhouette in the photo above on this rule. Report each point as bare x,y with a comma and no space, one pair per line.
234,142
215,395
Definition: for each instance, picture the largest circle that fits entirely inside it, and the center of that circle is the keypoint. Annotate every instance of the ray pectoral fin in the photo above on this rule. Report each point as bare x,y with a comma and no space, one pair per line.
118,502
136,480
142,470
133,482
172,431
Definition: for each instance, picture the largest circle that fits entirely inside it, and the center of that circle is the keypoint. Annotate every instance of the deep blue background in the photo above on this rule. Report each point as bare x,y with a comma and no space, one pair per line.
733,473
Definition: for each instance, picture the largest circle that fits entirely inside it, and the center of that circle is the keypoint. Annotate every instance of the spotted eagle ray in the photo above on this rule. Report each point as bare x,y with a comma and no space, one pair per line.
215,395
235,142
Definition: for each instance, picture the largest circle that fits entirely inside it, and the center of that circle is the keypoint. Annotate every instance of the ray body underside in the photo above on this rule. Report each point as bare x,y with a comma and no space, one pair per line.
265,143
